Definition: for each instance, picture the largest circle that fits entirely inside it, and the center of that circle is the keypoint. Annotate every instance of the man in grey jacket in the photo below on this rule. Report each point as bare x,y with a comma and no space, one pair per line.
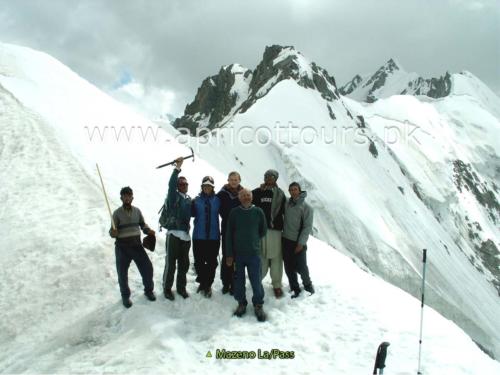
297,227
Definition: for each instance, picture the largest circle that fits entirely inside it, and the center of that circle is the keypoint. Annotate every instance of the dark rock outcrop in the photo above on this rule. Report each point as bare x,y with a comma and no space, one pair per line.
215,99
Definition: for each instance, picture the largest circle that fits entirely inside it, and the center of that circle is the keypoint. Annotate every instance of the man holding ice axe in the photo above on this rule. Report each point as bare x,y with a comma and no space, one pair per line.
177,210
127,221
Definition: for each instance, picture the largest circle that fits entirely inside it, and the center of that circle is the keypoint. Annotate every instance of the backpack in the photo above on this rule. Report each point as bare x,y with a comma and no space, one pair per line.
163,217
165,220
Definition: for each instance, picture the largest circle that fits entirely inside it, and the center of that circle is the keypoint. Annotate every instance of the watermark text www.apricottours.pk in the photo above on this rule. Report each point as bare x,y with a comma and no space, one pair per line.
281,134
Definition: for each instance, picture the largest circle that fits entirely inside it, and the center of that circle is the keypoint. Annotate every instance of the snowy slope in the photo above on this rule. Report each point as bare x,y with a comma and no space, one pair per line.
59,299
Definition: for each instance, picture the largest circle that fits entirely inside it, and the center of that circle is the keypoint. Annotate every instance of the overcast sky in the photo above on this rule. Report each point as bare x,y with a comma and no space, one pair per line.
160,51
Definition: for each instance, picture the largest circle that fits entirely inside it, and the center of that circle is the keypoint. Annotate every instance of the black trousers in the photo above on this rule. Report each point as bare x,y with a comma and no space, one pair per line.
295,263
128,250
205,261
226,273
177,251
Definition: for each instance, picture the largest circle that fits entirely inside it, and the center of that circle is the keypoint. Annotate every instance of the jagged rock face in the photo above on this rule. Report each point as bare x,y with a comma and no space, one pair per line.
466,178
351,85
215,99
439,87
280,63
378,79
433,87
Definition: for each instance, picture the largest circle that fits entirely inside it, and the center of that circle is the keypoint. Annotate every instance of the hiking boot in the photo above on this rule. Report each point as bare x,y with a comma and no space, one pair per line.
150,295
259,313
225,289
183,293
240,310
309,288
295,293
208,292
127,302
168,294
278,292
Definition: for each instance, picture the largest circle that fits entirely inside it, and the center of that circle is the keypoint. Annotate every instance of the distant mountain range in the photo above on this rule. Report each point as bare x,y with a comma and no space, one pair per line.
390,79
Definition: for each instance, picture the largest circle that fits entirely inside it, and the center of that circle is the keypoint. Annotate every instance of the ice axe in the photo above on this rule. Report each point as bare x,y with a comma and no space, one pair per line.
173,162
106,197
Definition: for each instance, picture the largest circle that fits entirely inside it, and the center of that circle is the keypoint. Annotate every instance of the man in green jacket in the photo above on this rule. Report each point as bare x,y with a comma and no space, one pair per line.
245,228
178,209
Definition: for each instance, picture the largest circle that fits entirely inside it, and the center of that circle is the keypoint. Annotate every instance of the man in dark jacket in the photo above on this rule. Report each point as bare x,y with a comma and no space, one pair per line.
128,221
271,199
206,235
228,196
178,209
296,230
245,228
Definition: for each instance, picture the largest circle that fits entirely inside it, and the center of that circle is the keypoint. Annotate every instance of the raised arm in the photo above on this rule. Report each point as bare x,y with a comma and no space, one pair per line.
172,186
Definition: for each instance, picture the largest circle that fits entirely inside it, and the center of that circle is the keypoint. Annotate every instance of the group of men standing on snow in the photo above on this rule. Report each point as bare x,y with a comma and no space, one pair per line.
261,230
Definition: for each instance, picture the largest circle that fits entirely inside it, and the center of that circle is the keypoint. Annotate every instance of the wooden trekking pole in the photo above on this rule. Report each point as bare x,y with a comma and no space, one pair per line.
106,197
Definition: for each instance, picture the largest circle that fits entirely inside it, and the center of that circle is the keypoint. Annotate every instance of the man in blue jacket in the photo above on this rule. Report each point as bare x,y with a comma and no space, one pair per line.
178,209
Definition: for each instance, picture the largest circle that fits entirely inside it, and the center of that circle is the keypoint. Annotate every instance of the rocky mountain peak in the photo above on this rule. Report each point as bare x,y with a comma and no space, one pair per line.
351,85
235,89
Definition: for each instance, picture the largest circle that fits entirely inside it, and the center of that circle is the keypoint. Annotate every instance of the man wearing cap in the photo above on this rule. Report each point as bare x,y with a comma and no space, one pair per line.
178,209
271,199
128,221
206,235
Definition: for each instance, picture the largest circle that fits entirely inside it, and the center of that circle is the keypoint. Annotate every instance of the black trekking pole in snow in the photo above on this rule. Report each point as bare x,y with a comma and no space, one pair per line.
173,162
380,358
424,260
